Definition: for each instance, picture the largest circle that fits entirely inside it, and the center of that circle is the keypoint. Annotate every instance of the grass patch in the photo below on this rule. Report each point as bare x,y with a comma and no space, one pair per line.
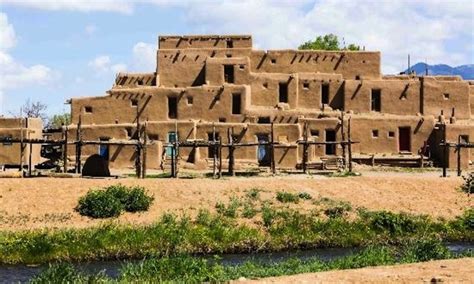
345,174
287,197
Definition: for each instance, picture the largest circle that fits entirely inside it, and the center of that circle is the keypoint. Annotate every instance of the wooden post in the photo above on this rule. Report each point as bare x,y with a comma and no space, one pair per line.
30,164
305,148
445,150
145,140
22,147
173,170
230,137
350,143
78,145
65,150
343,144
220,157
176,150
138,163
458,148
272,149
214,153
174,160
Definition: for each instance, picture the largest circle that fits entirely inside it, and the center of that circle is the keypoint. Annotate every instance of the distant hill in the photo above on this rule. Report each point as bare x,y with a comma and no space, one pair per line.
465,71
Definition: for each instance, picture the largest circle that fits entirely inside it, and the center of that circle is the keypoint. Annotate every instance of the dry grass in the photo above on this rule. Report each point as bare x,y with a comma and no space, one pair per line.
49,202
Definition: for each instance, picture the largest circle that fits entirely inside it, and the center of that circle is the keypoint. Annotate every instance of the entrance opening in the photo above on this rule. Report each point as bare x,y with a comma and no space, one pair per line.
236,104
263,120
325,94
404,139
283,92
172,137
172,107
376,104
330,137
229,74
104,149
263,151
212,148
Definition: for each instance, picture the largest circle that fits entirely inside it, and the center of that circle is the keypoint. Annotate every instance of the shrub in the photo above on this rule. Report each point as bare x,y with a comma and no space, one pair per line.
230,210
424,250
137,200
118,191
99,204
254,193
268,214
468,218
203,217
335,212
286,197
391,222
305,195
468,185
249,211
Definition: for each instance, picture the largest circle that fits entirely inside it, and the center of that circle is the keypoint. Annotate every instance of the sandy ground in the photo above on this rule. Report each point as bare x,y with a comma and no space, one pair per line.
49,202
441,271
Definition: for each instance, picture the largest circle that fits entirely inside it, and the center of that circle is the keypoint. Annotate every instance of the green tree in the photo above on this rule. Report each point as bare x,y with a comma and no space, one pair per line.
58,120
327,42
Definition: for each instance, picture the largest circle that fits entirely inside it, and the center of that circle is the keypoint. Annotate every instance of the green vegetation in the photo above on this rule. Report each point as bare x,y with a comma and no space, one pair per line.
287,197
187,269
111,201
254,193
344,174
305,195
327,42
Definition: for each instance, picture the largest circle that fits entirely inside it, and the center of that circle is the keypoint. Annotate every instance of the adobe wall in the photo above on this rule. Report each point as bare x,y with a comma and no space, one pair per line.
441,94
204,41
10,154
397,96
131,80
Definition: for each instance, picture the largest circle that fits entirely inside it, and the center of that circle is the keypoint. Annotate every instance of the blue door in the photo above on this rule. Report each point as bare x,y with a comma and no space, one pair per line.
172,137
263,150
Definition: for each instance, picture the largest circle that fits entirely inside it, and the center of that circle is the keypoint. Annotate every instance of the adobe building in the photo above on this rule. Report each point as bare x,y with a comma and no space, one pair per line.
213,83
11,154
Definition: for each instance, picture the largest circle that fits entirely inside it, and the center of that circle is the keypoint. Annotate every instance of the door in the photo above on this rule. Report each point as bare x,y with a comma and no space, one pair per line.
404,139
263,151
172,137
104,149
330,137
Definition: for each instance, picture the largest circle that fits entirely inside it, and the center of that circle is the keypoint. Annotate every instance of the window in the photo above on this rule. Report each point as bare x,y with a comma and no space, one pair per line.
242,67
8,140
314,133
464,139
228,55
88,109
283,92
140,82
236,104
265,85
375,133
391,134
190,100
330,137
222,119
375,100
306,85
446,96
229,43
172,107
212,149
325,94
134,103
229,74
274,61
263,120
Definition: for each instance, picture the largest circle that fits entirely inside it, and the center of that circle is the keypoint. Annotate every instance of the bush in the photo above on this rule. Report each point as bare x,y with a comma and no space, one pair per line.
254,193
230,210
468,185
286,197
99,204
113,200
391,222
424,250
336,211
249,211
305,195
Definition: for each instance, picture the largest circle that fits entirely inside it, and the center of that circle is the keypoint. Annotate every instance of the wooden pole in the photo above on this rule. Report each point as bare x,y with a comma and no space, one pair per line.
343,136
458,148
21,145
65,150
445,151
78,145
214,153
30,164
350,143
176,149
305,148
272,149
145,140
138,163
230,137
220,157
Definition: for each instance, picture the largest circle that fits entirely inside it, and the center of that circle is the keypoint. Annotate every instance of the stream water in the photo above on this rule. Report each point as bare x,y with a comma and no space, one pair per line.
23,273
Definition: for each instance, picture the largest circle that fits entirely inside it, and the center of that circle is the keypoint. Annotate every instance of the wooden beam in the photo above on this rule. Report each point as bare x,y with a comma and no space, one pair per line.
272,150
350,143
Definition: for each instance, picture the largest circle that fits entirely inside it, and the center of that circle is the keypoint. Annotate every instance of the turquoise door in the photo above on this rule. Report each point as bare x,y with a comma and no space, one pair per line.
172,137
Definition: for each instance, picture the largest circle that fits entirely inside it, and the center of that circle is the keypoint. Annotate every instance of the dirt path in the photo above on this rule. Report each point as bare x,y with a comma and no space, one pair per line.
50,202
450,271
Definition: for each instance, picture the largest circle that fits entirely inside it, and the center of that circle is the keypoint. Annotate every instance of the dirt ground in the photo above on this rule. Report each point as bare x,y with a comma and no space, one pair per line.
49,202
441,271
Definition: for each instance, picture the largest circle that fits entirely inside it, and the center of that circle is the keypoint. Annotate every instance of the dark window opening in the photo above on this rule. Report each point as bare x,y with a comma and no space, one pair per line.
330,137
88,109
8,138
242,67
375,133
263,120
154,137
404,139
446,96
134,103
212,149
236,103
325,94
140,82
274,61
172,107
228,55
376,100
464,139
391,134
190,100
229,43
283,92
229,74
314,132
306,85
357,77
265,85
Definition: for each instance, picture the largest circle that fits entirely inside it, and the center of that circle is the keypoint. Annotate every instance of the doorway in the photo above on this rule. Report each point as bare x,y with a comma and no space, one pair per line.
404,139
263,151
330,137
104,149
172,137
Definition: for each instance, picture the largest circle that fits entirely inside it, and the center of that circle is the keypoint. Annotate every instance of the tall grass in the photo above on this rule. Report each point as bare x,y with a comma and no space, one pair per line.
279,229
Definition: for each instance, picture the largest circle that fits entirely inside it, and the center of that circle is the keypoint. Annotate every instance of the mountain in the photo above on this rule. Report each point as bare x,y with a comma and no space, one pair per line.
465,71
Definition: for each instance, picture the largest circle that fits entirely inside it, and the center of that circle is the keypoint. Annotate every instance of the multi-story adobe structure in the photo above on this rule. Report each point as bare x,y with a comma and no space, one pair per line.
211,82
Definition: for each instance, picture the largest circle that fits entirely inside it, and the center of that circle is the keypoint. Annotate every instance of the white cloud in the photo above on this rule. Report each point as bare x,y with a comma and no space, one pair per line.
14,74
103,64
120,6
144,57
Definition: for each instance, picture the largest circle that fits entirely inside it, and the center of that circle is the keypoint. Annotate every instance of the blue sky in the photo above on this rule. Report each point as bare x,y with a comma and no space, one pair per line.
54,50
